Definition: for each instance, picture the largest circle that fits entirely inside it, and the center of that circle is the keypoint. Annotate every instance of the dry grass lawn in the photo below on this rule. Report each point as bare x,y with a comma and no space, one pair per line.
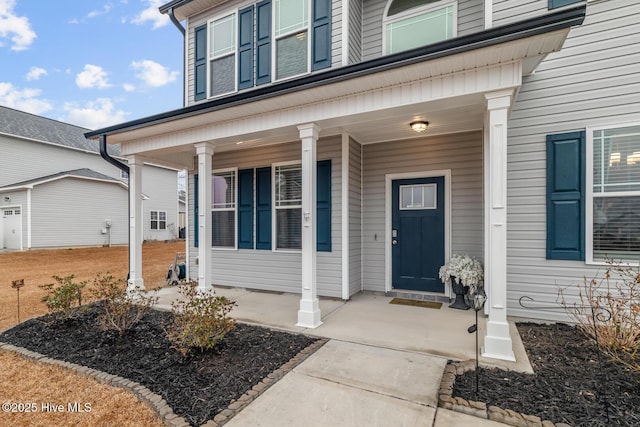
24,381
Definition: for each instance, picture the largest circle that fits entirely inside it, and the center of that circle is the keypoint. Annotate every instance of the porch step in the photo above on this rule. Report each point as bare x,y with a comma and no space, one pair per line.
419,296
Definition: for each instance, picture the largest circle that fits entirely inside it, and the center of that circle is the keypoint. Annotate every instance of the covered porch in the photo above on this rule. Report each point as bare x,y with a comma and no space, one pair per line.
465,86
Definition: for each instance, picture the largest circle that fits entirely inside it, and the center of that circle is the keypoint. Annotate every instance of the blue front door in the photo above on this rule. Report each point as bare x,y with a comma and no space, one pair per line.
417,233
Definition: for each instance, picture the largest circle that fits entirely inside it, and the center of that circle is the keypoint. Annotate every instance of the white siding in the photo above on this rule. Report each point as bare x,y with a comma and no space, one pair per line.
355,217
278,271
470,20
461,153
592,81
67,212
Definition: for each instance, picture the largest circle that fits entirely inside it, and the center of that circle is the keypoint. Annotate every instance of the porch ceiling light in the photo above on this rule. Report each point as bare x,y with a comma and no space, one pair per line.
419,126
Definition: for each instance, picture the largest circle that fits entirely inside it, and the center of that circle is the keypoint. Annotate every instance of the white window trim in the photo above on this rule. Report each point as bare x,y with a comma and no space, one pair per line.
588,218
274,231
210,56
234,209
274,40
166,222
414,11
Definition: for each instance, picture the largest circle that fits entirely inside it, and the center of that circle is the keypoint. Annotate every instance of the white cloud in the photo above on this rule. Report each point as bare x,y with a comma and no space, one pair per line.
16,28
92,77
35,73
151,13
94,114
106,9
128,87
153,74
24,100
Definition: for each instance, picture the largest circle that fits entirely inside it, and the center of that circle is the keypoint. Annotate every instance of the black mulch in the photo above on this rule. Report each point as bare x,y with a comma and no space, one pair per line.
568,385
196,387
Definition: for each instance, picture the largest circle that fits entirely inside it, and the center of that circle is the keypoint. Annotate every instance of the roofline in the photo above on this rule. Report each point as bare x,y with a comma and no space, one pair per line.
172,5
562,19
58,178
53,144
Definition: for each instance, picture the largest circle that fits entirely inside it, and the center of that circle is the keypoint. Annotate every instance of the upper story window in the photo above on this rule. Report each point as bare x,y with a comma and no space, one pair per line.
267,41
222,55
413,23
291,34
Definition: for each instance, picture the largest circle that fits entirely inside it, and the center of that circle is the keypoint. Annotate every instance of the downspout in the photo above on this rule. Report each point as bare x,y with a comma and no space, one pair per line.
179,26
124,168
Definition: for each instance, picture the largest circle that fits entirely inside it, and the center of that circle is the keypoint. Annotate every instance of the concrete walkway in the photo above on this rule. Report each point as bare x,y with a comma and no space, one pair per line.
382,365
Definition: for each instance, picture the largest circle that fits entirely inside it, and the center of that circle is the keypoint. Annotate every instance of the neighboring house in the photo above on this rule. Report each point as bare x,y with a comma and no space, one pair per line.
56,190
305,174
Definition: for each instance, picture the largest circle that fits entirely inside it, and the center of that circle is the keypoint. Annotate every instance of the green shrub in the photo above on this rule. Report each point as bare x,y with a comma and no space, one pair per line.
121,307
63,297
200,319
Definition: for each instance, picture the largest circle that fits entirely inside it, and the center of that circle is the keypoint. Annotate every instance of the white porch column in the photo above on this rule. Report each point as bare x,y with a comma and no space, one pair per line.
205,256
136,222
497,342
309,313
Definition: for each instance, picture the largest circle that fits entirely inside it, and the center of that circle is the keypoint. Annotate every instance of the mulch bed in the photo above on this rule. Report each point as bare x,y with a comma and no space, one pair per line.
196,387
568,385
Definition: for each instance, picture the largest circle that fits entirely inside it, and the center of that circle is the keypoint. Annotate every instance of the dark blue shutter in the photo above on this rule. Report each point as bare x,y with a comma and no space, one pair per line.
323,206
321,35
195,210
554,4
566,196
263,208
200,66
245,48
263,42
245,209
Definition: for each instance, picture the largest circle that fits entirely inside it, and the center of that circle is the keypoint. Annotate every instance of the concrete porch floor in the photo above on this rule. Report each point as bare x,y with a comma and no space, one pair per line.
382,365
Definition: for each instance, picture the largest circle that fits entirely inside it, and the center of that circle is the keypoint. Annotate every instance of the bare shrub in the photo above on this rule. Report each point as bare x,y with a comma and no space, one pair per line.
608,310
63,297
121,306
200,319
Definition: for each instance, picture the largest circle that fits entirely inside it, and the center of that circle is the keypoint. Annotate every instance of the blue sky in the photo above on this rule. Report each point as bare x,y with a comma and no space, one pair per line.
91,63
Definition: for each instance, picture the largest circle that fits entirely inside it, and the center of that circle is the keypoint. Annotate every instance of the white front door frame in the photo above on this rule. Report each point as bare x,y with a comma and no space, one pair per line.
388,204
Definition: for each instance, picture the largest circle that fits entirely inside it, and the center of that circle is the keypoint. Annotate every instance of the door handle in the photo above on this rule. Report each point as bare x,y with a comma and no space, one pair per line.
394,242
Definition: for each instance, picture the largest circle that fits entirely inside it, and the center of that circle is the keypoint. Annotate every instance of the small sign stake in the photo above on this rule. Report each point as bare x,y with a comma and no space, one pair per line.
17,284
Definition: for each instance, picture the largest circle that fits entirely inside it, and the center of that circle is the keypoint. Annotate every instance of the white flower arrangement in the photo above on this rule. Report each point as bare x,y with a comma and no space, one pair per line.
465,269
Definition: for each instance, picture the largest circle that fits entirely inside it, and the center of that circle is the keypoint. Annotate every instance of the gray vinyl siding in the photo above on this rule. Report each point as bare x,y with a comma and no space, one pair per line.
355,217
592,81
269,270
470,19
509,11
67,212
336,33
355,31
462,154
161,187
24,160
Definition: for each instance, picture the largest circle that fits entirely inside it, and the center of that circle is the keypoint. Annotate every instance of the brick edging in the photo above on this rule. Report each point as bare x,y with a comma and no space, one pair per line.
480,409
155,401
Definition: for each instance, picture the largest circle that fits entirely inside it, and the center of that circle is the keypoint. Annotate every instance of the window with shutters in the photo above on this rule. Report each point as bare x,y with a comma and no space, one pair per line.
288,206
223,208
413,23
613,197
263,42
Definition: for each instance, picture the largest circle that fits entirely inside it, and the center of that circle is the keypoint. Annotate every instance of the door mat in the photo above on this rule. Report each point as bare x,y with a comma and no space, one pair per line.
416,303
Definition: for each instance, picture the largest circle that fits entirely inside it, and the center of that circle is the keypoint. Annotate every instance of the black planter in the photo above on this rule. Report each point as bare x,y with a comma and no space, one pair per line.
460,290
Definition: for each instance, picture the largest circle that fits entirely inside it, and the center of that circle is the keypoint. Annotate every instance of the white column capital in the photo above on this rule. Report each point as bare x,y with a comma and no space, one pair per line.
135,160
204,148
499,100
309,130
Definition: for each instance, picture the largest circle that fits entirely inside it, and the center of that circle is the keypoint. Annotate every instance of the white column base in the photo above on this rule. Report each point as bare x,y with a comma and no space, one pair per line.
497,342
309,314
133,284
203,285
